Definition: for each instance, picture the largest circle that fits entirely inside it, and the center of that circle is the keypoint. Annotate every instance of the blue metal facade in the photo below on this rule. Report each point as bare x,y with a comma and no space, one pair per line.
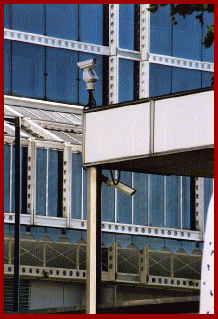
51,73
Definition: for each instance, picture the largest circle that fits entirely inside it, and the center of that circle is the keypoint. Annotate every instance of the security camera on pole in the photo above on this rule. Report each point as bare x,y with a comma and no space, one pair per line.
90,77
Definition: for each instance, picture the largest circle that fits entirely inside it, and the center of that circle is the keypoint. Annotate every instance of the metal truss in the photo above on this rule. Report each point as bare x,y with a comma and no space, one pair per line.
62,260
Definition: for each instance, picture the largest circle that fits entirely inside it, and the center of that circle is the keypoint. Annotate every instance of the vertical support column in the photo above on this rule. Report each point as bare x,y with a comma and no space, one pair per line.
93,283
31,175
113,59
17,216
144,48
199,204
67,173
144,265
112,262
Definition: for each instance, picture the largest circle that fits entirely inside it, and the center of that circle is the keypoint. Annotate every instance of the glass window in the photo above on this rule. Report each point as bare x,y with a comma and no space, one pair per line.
7,66
160,80
187,38
173,201
28,18
124,202
184,79
161,31
55,183
62,74
49,182
126,80
9,179
23,180
76,186
84,194
186,204
7,160
108,203
126,26
7,16
140,199
83,94
62,21
156,201
208,191
208,54
41,172
28,70
91,23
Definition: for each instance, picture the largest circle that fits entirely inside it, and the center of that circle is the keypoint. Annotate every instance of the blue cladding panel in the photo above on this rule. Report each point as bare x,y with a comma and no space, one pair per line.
173,201
7,154
126,27
83,94
61,83
186,205
41,166
91,23
28,17
208,191
160,80
156,201
184,80
28,76
208,54
84,194
76,186
108,197
187,36
126,81
7,67
62,21
124,202
161,32
52,183
7,16
140,199
207,79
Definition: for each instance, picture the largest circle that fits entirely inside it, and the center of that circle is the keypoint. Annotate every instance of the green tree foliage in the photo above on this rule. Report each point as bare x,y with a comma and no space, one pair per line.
188,9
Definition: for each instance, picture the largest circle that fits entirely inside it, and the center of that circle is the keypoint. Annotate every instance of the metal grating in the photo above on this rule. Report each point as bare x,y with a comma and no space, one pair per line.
8,295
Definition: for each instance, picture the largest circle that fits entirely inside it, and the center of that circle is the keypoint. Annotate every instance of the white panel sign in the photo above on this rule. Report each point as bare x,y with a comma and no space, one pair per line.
184,122
117,133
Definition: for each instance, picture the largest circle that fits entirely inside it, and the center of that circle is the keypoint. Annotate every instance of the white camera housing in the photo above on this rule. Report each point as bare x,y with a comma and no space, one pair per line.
120,186
89,75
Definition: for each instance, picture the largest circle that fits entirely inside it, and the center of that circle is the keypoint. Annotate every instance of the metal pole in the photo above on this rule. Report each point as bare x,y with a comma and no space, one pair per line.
17,216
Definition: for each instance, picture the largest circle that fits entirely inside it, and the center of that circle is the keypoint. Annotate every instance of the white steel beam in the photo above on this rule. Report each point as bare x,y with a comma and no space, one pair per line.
67,173
199,204
31,179
38,39
181,63
144,48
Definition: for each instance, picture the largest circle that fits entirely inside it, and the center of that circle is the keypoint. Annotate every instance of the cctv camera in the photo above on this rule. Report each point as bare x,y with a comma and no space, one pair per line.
120,186
87,64
89,75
